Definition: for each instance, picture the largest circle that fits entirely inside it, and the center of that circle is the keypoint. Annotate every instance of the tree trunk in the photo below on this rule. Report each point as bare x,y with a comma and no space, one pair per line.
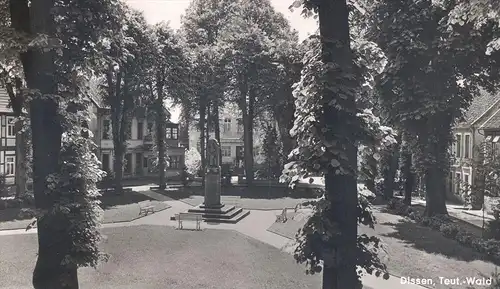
118,168
208,129
284,116
435,202
38,65
408,176
436,172
478,188
202,112
160,131
248,136
217,128
391,169
371,173
340,189
285,124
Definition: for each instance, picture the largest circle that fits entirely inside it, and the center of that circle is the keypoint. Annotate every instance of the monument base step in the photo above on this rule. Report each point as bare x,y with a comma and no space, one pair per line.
223,213
235,219
201,209
232,217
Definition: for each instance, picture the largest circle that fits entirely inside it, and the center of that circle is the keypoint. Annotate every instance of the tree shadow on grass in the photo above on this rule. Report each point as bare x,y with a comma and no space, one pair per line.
250,192
13,214
109,199
431,241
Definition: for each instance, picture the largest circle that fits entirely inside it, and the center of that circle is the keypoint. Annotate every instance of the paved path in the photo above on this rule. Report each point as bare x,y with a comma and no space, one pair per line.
254,225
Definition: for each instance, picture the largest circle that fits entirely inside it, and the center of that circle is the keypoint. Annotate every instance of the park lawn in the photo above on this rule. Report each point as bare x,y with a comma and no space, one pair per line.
420,252
152,257
414,251
117,208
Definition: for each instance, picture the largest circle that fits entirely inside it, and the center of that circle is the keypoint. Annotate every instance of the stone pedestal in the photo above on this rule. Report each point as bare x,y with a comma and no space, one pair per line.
212,187
212,210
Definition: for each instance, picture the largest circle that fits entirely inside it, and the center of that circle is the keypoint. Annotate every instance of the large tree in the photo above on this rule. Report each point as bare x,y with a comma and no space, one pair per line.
328,128
169,77
255,40
201,28
64,168
432,75
128,57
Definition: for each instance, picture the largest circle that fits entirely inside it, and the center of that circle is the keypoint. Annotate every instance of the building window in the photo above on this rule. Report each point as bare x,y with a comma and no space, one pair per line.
128,164
128,131
459,146
105,162
172,133
10,166
106,128
174,162
11,129
466,179
145,162
150,127
458,178
227,125
467,146
226,151
140,130
240,152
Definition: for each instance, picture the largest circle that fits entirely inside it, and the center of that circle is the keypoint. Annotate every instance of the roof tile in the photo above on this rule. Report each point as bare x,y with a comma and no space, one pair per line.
479,106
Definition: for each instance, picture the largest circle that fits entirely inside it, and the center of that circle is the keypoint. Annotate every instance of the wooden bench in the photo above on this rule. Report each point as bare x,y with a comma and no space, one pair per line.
189,217
282,218
146,210
297,207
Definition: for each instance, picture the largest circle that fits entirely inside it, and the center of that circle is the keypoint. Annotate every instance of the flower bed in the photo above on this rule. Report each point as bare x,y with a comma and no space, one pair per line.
444,224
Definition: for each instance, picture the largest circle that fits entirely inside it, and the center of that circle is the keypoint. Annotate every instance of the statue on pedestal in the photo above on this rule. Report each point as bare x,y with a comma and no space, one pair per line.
212,175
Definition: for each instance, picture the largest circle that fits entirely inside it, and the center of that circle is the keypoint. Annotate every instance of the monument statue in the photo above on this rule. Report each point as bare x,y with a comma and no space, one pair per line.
213,153
212,210
212,176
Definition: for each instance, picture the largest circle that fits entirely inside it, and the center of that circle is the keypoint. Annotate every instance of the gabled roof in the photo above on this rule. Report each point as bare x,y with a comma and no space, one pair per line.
480,106
493,121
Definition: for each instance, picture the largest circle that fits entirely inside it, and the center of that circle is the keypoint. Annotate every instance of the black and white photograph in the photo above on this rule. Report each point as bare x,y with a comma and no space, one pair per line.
249,144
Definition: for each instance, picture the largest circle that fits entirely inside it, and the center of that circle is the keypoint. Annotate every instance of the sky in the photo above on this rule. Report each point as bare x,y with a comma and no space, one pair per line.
171,10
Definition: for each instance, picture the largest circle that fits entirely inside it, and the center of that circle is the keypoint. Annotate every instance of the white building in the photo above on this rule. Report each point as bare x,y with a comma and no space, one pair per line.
139,157
8,139
231,137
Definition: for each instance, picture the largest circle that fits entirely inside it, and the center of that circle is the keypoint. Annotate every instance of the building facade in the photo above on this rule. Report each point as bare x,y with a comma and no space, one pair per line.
8,139
231,138
140,156
480,127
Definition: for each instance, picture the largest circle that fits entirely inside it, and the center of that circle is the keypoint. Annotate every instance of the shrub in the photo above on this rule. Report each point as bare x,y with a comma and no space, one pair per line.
193,161
449,230
445,225
399,207
4,189
493,226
